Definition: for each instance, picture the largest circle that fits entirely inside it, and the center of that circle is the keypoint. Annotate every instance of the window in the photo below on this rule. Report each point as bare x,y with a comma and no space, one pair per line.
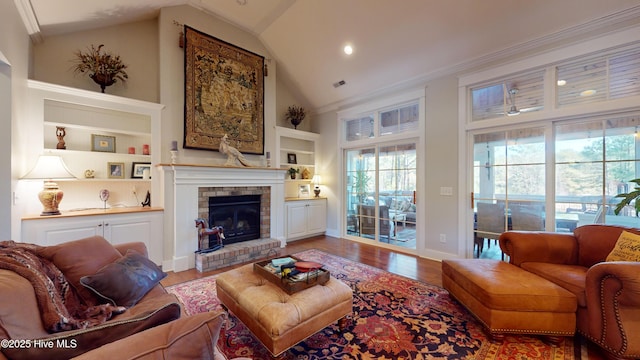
360,128
600,77
512,96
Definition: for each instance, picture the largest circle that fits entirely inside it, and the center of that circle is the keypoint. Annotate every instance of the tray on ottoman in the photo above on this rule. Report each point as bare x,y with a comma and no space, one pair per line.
305,280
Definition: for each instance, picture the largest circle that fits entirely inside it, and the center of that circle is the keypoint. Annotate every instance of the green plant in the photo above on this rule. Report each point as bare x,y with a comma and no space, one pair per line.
627,198
292,172
102,67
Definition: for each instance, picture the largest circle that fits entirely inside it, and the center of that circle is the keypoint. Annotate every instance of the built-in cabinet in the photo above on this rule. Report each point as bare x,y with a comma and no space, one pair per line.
305,218
117,226
296,149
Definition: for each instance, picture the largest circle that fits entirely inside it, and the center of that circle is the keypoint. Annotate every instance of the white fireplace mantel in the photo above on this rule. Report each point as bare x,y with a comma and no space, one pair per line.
181,183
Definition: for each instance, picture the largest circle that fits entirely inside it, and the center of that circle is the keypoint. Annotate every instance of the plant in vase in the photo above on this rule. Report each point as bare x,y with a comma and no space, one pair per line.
102,67
292,172
295,114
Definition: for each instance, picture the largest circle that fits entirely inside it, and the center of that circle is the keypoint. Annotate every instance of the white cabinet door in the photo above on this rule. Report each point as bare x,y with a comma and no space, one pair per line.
146,228
296,219
116,228
316,217
305,218
53,231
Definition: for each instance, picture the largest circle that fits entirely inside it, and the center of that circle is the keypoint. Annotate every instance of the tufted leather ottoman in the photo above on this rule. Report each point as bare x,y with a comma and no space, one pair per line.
277,319
508,299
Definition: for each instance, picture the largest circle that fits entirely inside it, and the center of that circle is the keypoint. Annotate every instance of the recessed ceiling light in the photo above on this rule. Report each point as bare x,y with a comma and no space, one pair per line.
588,92
562,82
348,50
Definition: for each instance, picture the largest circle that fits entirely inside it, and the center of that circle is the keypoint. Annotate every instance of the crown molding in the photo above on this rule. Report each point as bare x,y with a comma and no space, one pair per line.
29,19
549,41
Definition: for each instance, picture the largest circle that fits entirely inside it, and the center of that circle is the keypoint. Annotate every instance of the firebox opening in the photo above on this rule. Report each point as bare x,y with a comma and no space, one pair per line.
239,215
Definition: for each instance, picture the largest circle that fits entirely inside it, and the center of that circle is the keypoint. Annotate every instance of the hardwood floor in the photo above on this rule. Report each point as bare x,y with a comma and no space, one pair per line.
413,267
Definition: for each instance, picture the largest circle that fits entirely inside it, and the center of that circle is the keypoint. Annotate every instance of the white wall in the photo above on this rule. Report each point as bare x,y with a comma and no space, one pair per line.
135,43
14,49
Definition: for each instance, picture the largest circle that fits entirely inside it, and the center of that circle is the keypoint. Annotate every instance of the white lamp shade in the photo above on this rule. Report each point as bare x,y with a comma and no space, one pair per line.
49,167
316,179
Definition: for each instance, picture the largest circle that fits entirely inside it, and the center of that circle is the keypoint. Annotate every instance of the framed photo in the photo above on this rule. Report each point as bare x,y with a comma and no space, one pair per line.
115,170
137,169
291,158
304,191
103,143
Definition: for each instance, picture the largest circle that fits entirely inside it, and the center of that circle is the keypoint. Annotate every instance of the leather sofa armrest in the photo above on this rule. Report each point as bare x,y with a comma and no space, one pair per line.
612,292
535,246
137,246
191,337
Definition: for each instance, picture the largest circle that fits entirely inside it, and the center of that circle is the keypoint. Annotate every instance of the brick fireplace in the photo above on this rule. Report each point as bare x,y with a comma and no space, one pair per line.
186,186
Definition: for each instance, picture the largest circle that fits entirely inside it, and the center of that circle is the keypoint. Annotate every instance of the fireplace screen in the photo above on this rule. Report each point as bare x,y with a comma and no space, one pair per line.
238,215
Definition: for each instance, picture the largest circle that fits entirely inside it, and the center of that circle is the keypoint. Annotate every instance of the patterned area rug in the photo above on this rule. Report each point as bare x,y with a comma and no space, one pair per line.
393,318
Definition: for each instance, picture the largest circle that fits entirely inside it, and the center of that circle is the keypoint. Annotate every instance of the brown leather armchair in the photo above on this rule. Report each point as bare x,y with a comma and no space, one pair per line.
608,293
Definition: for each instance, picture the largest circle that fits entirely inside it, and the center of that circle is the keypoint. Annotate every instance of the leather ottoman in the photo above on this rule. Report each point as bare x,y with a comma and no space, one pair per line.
277,319
508,299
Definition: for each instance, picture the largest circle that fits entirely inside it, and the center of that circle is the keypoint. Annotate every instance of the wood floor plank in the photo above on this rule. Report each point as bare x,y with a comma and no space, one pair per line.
413,267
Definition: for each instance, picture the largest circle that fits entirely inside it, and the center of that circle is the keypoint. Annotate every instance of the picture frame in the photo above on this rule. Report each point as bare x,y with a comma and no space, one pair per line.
115,170
304,191
291,158
103,143
137,169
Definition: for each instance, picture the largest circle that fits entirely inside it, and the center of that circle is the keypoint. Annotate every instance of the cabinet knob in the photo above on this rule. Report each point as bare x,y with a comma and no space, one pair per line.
99,225
106,224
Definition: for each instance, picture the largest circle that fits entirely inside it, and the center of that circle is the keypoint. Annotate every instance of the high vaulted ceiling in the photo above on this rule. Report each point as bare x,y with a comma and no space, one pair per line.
396,42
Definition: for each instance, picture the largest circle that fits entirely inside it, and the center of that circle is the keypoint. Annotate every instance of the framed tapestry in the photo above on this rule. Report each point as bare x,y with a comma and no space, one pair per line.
223,94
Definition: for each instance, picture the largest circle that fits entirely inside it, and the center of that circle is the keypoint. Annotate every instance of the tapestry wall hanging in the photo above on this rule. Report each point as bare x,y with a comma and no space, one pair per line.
223,94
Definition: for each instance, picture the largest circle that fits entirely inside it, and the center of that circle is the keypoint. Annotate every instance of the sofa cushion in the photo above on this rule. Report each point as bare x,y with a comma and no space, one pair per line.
192,337
627,248
79,258
570,277
19,315
68,344
595,242
126,280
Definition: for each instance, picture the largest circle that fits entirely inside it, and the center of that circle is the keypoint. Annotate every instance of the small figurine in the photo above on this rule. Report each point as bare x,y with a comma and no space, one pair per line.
232,153
60,133
147,200
306,174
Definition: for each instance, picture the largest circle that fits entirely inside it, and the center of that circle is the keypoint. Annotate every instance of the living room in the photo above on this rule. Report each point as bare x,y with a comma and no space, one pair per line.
436,211
442,232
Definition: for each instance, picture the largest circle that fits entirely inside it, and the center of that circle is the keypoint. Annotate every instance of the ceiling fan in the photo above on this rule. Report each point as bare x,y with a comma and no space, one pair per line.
513,110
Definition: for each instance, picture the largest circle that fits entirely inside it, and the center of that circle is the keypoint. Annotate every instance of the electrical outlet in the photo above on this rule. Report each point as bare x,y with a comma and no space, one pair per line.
443,238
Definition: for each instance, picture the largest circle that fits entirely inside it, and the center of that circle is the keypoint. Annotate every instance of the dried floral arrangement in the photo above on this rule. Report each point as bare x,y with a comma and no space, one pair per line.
295,114
102,67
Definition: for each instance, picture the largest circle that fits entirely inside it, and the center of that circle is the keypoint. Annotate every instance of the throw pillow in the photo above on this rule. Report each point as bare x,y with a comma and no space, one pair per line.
126,280
627,248
79,258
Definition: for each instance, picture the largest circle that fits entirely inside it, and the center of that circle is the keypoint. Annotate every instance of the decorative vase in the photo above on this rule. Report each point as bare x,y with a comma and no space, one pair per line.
295,122
103,80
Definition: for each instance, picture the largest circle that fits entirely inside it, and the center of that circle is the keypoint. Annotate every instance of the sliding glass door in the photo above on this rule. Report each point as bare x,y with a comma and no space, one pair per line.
381,193
593,161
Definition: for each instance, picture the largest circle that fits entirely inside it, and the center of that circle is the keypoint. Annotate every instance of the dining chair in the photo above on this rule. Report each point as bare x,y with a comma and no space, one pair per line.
490,223
527,217
367,220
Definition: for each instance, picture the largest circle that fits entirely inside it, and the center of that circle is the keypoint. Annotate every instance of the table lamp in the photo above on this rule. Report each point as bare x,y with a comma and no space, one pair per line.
48,168
316,181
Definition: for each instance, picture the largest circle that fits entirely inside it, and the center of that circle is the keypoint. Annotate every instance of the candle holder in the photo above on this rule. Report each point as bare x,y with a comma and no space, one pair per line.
174,156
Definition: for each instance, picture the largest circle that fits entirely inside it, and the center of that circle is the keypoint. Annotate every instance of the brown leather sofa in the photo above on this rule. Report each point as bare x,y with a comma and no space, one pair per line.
608,293
153,328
